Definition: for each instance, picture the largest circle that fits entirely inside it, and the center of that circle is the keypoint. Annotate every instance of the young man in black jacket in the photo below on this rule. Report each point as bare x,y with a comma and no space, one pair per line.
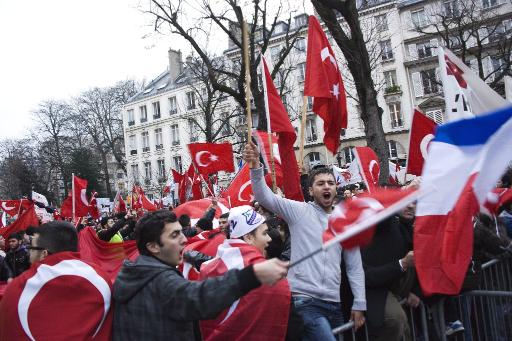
152,299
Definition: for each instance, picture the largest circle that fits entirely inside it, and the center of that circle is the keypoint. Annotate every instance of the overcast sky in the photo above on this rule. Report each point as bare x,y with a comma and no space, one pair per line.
55,49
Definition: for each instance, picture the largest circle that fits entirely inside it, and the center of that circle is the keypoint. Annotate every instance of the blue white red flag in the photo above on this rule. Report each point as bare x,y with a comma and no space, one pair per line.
465,160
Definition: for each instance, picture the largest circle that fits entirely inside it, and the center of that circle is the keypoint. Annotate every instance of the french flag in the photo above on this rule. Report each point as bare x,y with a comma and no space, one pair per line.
465,160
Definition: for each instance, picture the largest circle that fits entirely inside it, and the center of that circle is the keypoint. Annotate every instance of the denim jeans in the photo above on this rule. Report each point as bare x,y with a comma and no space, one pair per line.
319,316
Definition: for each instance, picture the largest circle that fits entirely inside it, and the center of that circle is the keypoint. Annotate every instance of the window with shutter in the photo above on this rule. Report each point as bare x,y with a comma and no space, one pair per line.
435,115
413,51
416,84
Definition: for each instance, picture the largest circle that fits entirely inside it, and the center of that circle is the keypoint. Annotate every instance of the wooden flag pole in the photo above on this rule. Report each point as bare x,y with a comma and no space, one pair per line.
269,128
245,39
302,130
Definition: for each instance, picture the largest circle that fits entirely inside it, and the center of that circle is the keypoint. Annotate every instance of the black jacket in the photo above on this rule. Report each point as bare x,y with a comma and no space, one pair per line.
382,270
17,260
154,302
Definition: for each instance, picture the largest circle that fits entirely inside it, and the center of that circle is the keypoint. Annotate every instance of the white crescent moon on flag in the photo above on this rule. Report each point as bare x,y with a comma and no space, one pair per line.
83,197
242,189
373,163
198,158
7,208
424,145
45,273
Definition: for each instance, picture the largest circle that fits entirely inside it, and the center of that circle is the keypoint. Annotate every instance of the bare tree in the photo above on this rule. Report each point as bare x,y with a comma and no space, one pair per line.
346,31
53,119
226,16
480,36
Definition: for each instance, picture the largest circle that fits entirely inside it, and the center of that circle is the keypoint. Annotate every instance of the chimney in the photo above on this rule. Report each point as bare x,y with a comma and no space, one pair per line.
175,64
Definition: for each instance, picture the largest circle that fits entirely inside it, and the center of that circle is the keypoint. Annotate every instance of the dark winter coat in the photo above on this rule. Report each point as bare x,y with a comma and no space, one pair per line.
17,260
154,302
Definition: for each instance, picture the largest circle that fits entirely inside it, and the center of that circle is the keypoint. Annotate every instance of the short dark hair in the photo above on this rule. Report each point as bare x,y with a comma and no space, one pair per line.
184,220
15,235
104,220
204,224
224,215
57,236
318,171
149,228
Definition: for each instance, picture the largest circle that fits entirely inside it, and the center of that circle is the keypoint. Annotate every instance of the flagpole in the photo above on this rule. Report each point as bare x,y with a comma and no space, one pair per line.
245,38
73,193
19,209
302,129
202,179
269,128
364,225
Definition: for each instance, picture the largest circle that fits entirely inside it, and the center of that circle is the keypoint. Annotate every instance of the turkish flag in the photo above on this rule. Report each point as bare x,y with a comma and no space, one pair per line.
147,204
269,305
369,166
93,206
239,191
324,83
108,256
119,204
212,157
496,199
25,219
13,207
358,211
261,138
395,172
280,124
80,195
205,242
60,298
423,130
136,199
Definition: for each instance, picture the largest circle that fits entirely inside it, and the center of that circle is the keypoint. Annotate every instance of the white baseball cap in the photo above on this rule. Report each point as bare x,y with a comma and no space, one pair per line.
243,220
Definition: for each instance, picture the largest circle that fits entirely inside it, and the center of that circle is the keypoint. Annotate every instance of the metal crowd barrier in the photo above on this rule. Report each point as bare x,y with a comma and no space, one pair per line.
486,314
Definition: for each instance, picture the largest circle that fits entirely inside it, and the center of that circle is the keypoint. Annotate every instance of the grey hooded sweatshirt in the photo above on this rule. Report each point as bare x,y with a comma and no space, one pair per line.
154,302
320,275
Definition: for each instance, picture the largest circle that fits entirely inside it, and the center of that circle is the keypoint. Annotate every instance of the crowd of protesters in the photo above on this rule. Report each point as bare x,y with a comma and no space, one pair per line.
152,300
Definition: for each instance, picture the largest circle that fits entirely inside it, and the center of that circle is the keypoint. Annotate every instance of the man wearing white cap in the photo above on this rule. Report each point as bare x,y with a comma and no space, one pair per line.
261,314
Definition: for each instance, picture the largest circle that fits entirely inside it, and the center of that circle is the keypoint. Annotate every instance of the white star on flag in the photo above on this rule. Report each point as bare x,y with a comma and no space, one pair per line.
336,90
213,157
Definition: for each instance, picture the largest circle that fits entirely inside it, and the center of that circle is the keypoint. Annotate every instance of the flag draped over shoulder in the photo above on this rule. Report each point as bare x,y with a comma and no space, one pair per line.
324,83
26,219
268,305
281,125
465,160
60,298
109,256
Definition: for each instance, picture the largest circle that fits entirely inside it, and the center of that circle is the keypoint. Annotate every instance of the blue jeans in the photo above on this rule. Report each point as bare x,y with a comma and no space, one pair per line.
319,316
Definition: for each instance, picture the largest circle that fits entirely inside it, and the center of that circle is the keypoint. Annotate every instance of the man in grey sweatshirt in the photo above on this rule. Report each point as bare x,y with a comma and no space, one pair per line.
315,283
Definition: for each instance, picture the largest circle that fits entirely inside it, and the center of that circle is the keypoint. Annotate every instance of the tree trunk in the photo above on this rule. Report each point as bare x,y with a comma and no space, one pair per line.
358,61
104,161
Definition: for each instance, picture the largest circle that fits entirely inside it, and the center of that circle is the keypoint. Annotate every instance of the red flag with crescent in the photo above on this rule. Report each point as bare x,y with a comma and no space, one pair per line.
26,219
369,166
62,288
422,132
269,305
212,157
13,207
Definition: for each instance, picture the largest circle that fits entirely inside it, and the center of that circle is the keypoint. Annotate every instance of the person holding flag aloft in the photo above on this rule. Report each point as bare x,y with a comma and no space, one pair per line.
315,282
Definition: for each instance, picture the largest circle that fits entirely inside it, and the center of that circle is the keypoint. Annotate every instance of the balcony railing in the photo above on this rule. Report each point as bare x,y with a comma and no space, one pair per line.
143,119
173,111
145,149
133,152
156,116
175,143
159,146
130,123
392,89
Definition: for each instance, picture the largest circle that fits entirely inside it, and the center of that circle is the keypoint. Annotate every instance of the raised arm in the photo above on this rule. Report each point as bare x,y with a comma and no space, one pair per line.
290,210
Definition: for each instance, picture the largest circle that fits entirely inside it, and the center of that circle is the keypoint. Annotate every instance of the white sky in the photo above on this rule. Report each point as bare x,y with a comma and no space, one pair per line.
55,49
